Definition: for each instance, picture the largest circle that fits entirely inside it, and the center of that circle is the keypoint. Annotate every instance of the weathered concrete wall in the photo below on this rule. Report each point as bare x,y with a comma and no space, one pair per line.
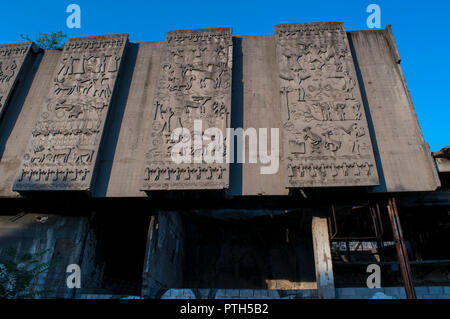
257,93
195,85
13,59
403,157
63,149
66,240
326,140
254,72
122,159
18,120
164,257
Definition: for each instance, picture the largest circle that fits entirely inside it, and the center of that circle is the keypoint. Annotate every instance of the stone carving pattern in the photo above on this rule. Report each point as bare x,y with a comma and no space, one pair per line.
325,133
12,57
195,84
66,137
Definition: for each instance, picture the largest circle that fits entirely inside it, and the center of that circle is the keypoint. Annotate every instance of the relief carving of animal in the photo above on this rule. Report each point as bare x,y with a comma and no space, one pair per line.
101,87
330,143
198,102
74,109
68,88
59,153
38,155
213,73
83,155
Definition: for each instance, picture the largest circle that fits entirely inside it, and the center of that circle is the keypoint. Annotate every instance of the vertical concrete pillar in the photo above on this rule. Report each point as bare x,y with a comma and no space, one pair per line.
322,256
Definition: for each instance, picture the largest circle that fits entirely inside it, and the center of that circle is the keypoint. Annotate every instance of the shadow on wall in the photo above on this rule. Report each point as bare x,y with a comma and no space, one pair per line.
237,114
192,251
18,95
63,239
114,122
109,248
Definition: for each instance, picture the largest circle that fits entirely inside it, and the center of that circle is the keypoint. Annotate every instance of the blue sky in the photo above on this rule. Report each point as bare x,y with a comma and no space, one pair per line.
421,30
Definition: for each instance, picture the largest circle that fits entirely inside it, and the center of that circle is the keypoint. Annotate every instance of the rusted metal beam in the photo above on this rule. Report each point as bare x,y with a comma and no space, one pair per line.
402,253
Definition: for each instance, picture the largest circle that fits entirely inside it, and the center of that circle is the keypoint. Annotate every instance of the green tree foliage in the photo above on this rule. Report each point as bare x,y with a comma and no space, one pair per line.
17,273
52,40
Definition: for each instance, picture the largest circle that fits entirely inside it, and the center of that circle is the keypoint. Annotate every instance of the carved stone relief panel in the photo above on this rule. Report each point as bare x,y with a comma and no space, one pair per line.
195,85
12,58
325,134
64,145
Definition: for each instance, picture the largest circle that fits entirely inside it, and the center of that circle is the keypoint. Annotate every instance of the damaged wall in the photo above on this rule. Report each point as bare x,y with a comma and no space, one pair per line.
267,252
403,159
192,250
67,240
164,258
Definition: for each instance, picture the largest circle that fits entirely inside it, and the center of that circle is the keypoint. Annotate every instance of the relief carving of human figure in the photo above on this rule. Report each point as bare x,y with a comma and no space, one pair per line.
66,66
7,72
165,114
315,140
350,84
301,77
316,56
355,133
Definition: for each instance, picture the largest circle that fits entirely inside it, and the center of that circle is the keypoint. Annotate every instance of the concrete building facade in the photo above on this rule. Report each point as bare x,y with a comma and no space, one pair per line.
87,175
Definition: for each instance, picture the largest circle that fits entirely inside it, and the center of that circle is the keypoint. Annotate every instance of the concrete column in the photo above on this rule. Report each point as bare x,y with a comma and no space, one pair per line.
322,257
